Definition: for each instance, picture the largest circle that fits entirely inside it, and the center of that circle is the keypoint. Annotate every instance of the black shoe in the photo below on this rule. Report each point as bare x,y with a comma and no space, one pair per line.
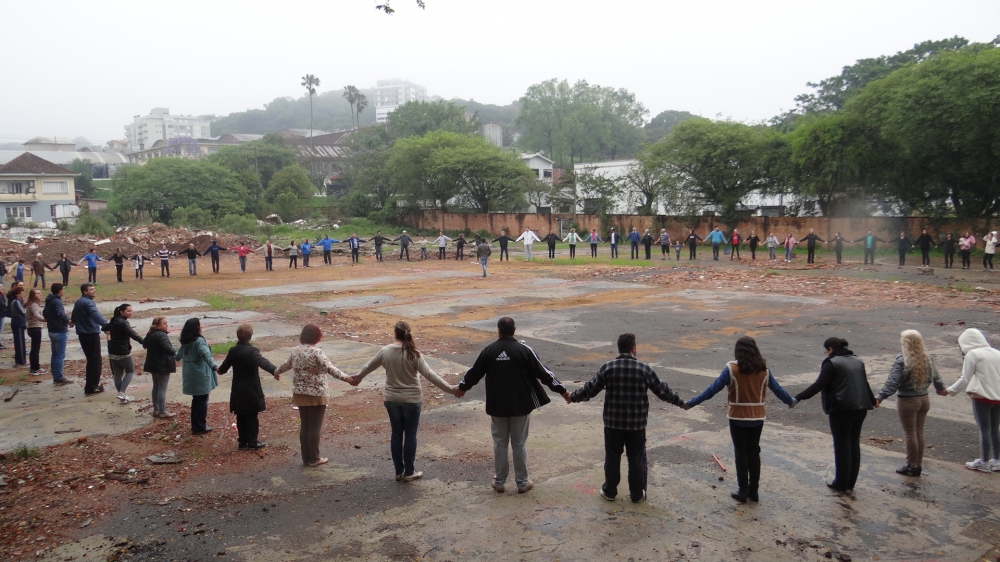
752,496
739,496
97,390
243,445
255,446
835,486
61,381
907,470
202,432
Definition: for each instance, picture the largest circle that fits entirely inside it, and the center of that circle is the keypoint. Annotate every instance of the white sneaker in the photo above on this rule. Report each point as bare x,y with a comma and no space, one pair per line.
980,465
121,396
995,465
125,398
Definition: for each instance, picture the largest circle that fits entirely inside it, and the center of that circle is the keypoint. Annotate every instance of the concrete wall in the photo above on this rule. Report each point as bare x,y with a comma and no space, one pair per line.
884,227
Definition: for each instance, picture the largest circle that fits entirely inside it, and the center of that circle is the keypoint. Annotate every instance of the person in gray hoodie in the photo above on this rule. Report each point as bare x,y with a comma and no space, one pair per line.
981,381
910,377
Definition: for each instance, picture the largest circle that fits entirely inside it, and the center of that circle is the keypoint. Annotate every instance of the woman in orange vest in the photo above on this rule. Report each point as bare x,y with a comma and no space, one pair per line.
747,379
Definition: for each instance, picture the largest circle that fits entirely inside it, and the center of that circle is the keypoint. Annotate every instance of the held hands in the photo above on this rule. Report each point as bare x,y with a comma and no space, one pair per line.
687,406
794,402
351,380
878,402
566,396
459,392
277,377
942,393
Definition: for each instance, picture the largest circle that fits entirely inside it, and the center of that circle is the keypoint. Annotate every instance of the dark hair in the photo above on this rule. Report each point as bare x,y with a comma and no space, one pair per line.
15,292
505,326
311,334
244,332
748,358
625,343
120,310
56,287
835,344
191,330
403,334
85,287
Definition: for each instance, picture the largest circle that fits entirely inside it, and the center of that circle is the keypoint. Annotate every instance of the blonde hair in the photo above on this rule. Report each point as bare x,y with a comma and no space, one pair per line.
915,358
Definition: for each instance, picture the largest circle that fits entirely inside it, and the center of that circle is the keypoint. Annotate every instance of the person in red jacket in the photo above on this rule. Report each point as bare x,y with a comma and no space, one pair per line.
242,250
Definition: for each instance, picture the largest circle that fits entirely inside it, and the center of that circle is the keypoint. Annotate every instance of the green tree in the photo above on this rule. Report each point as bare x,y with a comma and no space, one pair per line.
360,105
310,82
545,108
85,181
154,190
365,171
664,122
191,216
287,205
291,179
351,94
255,162
417,118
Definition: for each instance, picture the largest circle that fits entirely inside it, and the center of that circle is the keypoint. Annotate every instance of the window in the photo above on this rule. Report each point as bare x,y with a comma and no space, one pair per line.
15,187
18,212
52,208
547,174
55,187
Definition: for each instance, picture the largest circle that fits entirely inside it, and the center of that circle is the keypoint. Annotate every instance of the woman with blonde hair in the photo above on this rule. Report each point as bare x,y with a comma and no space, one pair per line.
403,362
910,377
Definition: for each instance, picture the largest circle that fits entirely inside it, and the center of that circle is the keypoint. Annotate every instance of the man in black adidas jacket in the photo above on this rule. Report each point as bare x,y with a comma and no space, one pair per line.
512,372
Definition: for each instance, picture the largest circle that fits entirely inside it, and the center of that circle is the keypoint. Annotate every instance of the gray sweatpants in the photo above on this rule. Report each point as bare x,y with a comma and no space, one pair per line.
514,431
527,252
159,396
123,370
988,419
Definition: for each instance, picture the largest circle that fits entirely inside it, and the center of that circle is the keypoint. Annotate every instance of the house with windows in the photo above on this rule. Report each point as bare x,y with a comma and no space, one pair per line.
33,189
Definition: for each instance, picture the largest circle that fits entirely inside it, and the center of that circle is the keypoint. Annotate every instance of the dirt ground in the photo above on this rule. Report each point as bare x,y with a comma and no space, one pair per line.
94,495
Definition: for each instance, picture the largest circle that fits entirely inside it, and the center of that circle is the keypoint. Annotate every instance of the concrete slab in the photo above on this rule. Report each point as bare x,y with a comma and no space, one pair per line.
362,301
347,284
553,326
107,307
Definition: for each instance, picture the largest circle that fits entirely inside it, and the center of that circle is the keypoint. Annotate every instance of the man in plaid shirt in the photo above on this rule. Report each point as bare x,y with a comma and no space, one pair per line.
626,409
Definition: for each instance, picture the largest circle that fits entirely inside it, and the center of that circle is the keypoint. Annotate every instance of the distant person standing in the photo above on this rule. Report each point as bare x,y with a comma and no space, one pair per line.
869,242
39,266
460,247
423,247
119,259
293,254
120,334
164,254
950,246
379,240
355,244
810,241
503,239
18,323
752,242
716,238
404,245
268,250
647,244
198,373
664,244
91,258
990,239
192,257
634,239
138,262
734,245
838,246
327,244
89,324
790,243
551,240
613,240
573,239
213,250
442,242
925,241
528,237
58,325
64,265
483,252
692,242
242,251
903,245
512,371
677,250
306,248
965,245
594,238
35,322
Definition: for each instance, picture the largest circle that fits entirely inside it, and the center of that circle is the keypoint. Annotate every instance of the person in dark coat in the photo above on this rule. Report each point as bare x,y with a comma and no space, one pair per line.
247,397
160,362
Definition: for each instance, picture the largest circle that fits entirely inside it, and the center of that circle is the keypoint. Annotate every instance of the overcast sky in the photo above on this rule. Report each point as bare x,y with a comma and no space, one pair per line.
87,67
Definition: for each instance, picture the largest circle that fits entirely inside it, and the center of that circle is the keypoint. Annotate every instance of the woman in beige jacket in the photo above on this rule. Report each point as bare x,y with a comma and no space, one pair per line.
403,397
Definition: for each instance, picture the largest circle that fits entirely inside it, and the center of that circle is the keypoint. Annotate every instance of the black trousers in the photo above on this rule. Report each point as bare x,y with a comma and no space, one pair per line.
442,250
65,276
649,249
746,448
199,412
503,252
692,251
215,263
293,260
305,260
593,250
634,444
949,260
925,256
91,344
355,255
840,254
91,275
164,268
460,253
268,263
634,253
987,263
870,252
664,250
753,253
734,251
327,258
810,254
247,426
715,252
966,258
552,252
404,250
902,257
572,251
118,270
846,430
138,273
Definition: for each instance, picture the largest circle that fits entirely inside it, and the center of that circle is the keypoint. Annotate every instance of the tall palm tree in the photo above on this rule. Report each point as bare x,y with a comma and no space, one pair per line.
361,103
351,94
310,82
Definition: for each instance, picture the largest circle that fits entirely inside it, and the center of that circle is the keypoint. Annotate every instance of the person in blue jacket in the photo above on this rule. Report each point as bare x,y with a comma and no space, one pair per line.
91,258
214,251
716,238
306,248
634,238
327,243
89,324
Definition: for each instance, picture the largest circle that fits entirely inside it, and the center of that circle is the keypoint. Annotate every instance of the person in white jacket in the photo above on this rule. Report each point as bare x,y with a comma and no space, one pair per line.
991,249
771,242
981,381
573,238
528,237
442,242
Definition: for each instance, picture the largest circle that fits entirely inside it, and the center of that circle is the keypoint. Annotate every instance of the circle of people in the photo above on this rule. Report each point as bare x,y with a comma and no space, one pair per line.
514,376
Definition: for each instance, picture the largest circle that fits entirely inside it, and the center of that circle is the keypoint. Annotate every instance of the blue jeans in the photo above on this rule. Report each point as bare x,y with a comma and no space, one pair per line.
58,341
404,417
483,261
192,267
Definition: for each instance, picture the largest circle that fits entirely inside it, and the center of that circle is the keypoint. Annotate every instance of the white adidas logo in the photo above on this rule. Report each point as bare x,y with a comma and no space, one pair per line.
503,356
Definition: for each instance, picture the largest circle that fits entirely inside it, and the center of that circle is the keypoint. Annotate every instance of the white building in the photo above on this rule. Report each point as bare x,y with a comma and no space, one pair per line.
160,125
390,94
493,133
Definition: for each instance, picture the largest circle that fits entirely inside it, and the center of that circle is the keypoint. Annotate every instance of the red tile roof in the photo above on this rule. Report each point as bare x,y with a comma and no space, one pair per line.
29,164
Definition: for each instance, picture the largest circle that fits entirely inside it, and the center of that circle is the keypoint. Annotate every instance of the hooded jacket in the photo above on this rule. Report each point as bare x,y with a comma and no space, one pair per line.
981,369
55,314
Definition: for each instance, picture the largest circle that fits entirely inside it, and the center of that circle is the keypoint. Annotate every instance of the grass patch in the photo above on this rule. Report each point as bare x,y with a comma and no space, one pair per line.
222,348
219,301
23,451
603,261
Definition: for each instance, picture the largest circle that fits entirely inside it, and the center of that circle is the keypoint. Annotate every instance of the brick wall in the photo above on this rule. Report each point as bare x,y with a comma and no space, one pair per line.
515,223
